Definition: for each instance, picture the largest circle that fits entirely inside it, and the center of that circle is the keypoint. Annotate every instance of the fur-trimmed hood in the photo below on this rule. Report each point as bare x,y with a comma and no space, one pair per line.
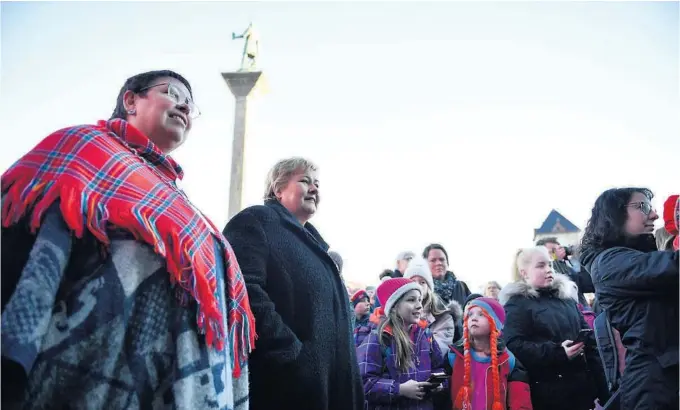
455,310
562,286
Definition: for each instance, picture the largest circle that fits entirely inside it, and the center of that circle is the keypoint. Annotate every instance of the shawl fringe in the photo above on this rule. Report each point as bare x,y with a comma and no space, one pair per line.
26,195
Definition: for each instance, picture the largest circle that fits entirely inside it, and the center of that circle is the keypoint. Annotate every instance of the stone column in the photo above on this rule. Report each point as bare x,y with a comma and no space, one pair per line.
240,84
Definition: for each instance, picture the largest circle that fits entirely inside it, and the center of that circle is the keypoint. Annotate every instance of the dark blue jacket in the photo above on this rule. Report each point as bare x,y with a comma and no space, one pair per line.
639,292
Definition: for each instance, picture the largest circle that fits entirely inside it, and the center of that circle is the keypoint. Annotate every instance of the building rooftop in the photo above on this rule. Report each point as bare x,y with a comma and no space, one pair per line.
556,223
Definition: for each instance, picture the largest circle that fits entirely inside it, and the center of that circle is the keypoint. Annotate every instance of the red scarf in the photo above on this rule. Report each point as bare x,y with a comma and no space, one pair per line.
113,175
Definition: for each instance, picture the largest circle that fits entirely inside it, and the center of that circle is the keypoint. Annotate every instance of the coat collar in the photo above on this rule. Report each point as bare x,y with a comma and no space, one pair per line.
561,287
289,218
306,232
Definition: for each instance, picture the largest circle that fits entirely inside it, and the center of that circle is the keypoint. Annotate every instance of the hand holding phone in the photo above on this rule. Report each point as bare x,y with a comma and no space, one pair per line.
436,379
583,336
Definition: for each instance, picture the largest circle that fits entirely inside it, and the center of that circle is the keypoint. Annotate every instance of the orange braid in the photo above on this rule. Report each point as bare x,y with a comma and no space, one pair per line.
463,400
494,363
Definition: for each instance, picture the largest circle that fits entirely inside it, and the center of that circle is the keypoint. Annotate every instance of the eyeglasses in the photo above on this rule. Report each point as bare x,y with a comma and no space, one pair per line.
178,97
644,207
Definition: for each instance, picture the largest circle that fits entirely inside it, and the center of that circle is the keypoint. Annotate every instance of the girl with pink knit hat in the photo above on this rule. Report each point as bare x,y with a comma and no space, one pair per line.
400,354
486,375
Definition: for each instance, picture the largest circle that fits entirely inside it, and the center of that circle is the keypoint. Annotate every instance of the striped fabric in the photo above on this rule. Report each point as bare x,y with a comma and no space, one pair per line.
112,175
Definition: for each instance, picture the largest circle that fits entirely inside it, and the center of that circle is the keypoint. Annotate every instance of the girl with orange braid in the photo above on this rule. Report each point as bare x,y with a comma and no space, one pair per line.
486,375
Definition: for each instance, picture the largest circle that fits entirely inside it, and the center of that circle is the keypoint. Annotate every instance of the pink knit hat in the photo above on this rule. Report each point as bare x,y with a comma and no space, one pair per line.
492,307
391,290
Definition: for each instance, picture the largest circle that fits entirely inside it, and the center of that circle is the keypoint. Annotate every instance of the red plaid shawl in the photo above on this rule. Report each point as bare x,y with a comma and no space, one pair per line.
101,177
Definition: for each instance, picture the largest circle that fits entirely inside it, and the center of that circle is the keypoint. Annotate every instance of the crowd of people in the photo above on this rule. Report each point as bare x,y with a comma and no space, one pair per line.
538,342
118,293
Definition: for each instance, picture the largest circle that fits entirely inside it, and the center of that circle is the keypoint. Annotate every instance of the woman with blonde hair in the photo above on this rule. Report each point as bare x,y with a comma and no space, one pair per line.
542,323
304,357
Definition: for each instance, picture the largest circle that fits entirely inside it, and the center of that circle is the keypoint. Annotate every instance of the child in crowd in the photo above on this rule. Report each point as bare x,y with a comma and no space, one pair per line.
370,290
445,321
398,356
368,322
362,308
486,375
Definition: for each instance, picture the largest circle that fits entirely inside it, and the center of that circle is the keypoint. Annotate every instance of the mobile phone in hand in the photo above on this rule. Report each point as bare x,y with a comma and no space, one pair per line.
436,379
583,336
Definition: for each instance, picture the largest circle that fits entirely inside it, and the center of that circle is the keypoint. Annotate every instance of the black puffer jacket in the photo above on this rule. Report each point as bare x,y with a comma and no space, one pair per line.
537,322
639,293
304,356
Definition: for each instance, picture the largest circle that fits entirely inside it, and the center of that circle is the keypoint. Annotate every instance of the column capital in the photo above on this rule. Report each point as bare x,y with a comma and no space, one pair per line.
241,83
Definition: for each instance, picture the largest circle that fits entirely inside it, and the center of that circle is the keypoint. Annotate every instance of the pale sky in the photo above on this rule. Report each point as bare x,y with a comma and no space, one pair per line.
460,123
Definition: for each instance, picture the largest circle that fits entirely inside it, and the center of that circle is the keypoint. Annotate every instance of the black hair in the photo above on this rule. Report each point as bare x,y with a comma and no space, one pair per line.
545,241
472,297
386,272
432,246
606,227
138,82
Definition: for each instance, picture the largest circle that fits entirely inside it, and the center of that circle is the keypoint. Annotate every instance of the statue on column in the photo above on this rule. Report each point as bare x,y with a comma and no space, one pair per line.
251,49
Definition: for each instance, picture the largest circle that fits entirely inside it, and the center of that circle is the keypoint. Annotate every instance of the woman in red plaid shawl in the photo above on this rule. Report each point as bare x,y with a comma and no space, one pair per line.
117,292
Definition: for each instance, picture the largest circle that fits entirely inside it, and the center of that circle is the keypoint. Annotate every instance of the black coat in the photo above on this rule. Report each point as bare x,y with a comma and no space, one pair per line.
581,279
639,293
304,356
536,324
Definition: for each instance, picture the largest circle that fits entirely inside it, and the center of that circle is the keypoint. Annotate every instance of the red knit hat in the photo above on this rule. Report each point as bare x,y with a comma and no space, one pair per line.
357,296
671,218
671,208
391,290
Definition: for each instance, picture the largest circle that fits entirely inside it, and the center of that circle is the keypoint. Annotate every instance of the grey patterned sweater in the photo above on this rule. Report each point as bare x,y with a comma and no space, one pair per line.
87,330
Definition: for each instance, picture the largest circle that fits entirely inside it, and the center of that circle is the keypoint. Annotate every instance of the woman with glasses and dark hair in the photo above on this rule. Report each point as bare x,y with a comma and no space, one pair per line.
637,287
117,292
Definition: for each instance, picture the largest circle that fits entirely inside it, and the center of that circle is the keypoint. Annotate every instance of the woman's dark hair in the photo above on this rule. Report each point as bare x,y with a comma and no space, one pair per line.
606,227
432,246
386,272
140,81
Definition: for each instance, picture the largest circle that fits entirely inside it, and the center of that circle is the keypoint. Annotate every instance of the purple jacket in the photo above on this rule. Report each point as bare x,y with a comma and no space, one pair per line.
382,378
362,332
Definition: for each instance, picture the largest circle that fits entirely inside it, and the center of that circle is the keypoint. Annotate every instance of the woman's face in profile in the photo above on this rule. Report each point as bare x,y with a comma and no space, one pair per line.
162,115
301,195
640,215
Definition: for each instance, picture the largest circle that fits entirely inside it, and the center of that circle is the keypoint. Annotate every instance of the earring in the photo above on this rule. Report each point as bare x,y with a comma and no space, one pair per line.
132,111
